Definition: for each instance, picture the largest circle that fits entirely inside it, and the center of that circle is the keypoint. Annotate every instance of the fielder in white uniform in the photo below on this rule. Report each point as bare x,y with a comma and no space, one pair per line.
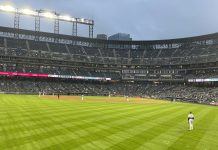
190,120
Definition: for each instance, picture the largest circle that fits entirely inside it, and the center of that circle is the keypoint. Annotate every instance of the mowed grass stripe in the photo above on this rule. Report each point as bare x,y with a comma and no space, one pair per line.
55,106
42,108
30,116
196,134
109,129
75,112
122,134
180,127
209,140
103,115
60,121
41,104
102,131
118,129
118,137
75,132
149,132
70,116
54,131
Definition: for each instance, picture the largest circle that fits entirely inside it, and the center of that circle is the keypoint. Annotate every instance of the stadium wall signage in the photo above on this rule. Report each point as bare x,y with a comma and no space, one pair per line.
203,80
51,76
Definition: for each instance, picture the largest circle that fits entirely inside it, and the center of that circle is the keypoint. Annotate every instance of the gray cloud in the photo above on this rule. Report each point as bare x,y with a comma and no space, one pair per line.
143,19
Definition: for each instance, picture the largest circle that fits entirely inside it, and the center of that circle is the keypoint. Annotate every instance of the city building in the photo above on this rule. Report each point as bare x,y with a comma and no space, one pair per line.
120,37
102,36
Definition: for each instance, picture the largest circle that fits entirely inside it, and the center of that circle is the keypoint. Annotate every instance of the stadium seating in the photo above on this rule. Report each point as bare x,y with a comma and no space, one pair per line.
145,68
181,55
178,92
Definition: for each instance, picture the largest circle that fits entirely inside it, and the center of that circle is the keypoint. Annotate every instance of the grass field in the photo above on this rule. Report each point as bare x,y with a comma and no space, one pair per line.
30,122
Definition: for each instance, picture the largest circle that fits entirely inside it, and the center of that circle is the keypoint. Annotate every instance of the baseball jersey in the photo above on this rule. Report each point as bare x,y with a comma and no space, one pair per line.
190,117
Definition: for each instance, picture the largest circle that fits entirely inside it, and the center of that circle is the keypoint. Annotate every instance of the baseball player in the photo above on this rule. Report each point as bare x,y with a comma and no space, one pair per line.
190,120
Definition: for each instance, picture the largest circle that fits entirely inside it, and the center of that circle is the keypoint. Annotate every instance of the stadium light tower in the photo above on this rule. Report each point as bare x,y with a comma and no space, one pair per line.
56,26
16,24
50,15
37,25
11,9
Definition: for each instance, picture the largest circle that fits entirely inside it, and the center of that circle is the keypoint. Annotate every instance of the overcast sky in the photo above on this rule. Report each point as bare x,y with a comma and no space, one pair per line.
143,19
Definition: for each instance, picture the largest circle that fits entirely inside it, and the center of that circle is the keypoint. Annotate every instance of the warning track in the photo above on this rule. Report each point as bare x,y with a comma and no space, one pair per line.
107,99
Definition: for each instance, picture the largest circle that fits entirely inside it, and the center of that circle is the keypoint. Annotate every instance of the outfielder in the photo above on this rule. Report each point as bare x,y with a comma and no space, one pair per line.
190,120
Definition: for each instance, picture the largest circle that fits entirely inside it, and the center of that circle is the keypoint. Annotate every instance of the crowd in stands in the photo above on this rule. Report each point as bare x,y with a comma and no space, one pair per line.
150,56
125,58
76,87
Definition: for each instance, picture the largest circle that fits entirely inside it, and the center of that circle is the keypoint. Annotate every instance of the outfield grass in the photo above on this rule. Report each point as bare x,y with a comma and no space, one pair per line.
30,122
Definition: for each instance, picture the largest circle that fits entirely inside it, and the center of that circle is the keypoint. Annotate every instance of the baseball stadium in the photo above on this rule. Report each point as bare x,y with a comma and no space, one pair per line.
63,92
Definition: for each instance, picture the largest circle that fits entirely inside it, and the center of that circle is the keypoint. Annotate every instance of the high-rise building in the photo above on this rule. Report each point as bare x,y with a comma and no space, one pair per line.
120,36
102,36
